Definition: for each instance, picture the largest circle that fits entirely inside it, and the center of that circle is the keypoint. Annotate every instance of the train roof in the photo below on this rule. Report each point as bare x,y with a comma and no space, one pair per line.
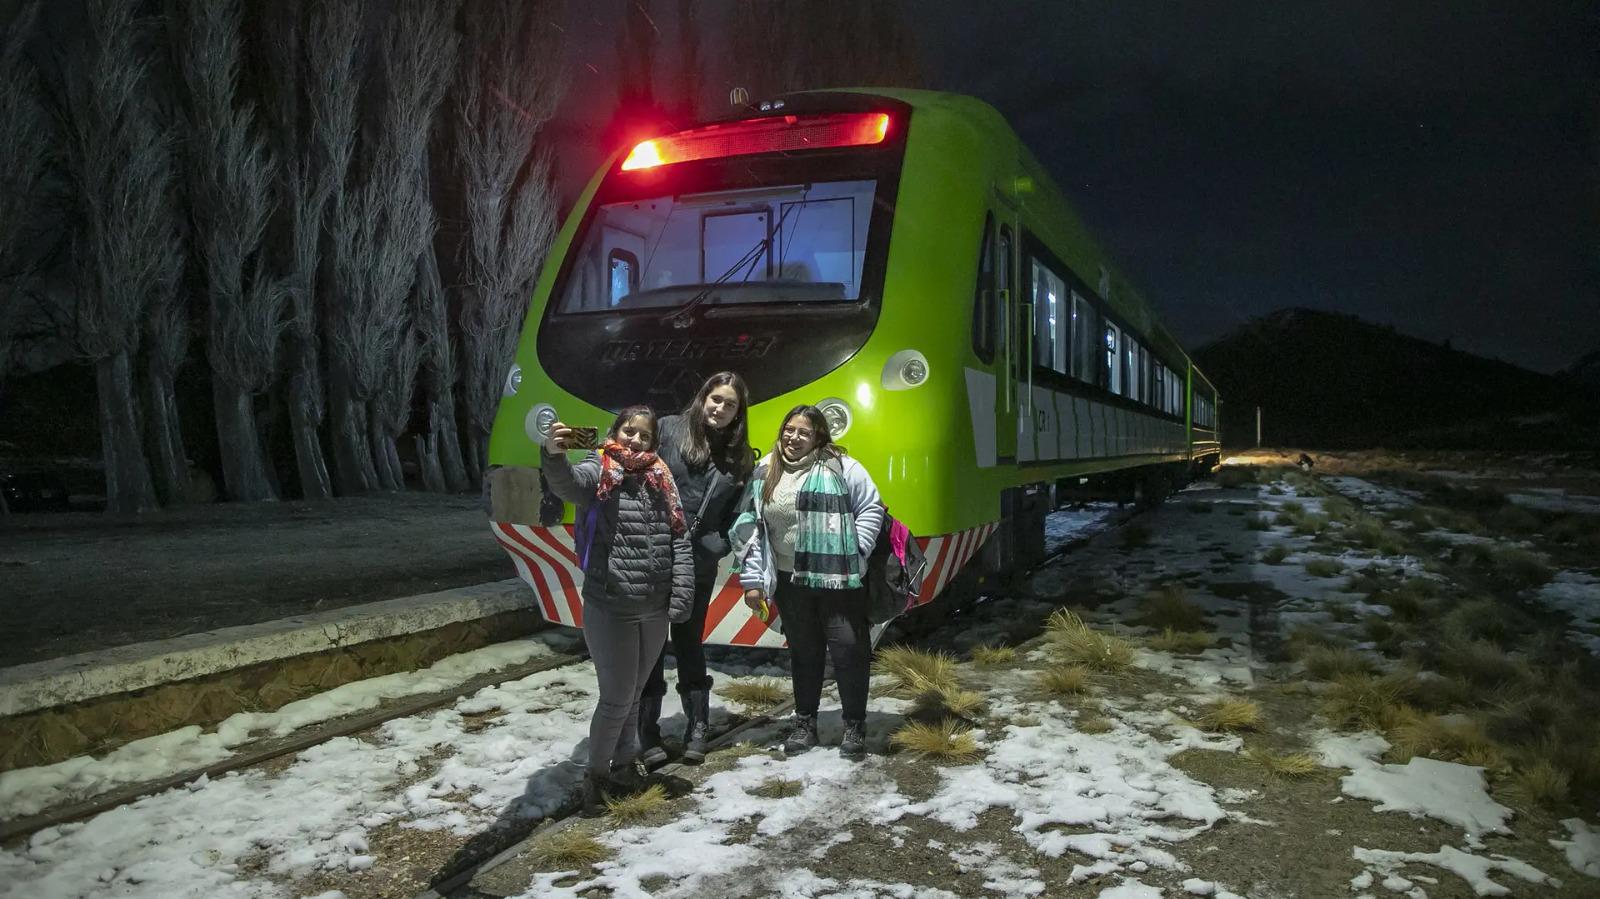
1045,206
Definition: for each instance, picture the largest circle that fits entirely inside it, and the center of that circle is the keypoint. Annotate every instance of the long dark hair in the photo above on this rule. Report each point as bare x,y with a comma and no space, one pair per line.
825,445
632,412
731,445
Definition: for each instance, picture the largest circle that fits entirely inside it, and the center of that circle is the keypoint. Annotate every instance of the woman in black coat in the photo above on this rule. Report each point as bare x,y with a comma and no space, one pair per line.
707,448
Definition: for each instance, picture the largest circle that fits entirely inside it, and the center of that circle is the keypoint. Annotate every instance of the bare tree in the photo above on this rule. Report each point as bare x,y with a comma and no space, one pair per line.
801,44
311,104
391,407
383,229
508,89
166,348
24,157
439,451
230,203
120,167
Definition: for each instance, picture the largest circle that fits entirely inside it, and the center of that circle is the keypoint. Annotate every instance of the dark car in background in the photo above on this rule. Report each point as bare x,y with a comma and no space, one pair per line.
34,491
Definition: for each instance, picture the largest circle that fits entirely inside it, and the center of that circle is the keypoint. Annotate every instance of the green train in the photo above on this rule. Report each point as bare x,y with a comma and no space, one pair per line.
897,258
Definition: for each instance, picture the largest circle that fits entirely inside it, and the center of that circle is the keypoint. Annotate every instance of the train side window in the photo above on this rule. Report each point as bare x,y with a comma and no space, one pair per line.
1131,355
983,301
1113,356
1002,281
1085,340
1050,303
623,269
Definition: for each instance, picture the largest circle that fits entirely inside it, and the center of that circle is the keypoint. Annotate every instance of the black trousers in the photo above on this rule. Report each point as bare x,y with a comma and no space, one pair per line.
686,646
817,622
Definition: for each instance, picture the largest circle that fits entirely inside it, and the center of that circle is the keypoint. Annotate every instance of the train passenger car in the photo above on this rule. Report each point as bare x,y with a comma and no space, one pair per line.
897,258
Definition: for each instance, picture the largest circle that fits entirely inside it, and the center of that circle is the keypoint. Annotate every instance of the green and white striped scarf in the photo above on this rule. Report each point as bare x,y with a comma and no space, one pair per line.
826,554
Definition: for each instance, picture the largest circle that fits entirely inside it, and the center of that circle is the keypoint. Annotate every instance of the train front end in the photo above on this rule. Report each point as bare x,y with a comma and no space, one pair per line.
760,245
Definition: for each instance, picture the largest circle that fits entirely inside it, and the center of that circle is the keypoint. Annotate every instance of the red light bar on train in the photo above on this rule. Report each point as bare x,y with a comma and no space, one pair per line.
765,135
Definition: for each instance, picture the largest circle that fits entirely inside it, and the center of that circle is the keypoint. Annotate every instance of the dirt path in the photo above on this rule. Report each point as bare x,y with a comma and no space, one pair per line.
78,582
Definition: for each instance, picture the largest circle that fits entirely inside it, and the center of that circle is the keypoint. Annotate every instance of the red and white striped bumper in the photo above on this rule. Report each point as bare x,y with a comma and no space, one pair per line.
546,560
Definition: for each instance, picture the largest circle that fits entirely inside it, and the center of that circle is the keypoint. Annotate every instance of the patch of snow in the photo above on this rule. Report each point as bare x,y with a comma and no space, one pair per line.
1556,499
1001,874
1351,751
1130,889
1065,525
1371,494
1578,595
1583,850
1474,869
1450,792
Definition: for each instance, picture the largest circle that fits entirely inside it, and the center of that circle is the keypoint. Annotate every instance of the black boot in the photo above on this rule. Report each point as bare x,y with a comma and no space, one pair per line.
652,753
594,794
854,744
802,735
697,710
628,778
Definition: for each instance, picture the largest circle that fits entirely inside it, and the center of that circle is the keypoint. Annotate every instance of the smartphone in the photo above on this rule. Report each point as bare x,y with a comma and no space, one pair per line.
585,438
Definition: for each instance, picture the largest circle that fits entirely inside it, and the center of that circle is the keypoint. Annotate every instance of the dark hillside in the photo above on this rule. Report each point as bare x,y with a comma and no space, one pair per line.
1585,371
1331,380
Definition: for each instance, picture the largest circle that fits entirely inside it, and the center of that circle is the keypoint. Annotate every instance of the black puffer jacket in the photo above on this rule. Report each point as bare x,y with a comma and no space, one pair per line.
709,532
637,571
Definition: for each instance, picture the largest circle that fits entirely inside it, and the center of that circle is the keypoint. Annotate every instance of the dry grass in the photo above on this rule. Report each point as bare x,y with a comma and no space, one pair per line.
1332,663
1539,784
1181,642
1289,766
1518,568
1135,536
949,699
1236,475
1480,662
1448,739
1090,721
1232,715
1324,567
989,656
1409,600
1080,643
916,671
1258,523
949,741
567,849
1373,703
1372,534
739,750
1274,555
777,788
1339,509
1483,619
1166,607
1064,679
639,806
757,695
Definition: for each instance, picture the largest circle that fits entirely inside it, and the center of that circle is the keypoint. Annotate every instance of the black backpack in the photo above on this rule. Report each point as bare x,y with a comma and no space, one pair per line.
894,571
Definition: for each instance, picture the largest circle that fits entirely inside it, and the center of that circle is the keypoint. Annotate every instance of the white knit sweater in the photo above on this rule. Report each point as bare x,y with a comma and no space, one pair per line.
783,517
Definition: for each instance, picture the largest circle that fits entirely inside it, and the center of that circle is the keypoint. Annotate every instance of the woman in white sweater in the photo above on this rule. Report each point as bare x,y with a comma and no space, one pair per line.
810,519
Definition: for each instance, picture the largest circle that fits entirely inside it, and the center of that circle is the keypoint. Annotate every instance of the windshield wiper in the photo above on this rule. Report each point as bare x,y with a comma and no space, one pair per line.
683,316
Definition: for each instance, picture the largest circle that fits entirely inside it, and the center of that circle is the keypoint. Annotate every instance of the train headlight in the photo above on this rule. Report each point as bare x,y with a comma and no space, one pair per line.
837,412
537,424
905,370
513,380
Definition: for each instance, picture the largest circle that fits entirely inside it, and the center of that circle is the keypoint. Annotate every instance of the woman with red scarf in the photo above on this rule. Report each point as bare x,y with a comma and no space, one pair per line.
638,573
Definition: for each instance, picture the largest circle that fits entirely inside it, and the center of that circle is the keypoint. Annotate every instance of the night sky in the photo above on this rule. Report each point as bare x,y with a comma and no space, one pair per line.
1431,165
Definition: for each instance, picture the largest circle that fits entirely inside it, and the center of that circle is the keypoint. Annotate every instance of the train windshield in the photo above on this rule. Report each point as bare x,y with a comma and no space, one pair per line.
795,243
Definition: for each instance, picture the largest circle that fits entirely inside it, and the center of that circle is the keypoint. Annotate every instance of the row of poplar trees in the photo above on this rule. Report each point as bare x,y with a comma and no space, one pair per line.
257,178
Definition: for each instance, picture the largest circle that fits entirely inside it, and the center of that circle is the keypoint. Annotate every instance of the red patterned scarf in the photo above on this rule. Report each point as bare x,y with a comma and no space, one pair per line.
617,461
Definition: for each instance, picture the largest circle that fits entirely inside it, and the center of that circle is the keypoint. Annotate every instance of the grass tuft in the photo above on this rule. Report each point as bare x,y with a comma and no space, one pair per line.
1482,619
1540,783
1135,536
1064,679
1364,701
916,671
1324,567
949,740
741,749
1232,715
1448,739
757,695
1374,535
1331,663
1480,662
949,699
1092,722
567,849
1258,523
1274,555
777,788
1291,765
1166,607
1181,642
1080,643
639,806
989,656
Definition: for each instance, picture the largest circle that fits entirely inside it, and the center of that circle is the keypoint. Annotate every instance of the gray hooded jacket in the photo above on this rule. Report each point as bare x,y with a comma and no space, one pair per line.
637,571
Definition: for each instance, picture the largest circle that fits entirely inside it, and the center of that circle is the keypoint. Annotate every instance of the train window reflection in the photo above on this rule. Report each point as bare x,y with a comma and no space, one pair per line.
792,243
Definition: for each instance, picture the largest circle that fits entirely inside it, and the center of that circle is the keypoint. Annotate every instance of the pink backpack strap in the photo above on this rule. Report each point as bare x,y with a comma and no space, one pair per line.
898,535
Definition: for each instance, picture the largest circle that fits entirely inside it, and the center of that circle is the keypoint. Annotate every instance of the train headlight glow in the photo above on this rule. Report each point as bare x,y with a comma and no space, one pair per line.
537,424
837,412
513,380
905,370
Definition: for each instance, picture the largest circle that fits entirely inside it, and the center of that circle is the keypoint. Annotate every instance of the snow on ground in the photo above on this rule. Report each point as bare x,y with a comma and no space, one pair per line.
1370,494
1556,499
1578,595
28,791
1474,869
1066,525
1583,850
